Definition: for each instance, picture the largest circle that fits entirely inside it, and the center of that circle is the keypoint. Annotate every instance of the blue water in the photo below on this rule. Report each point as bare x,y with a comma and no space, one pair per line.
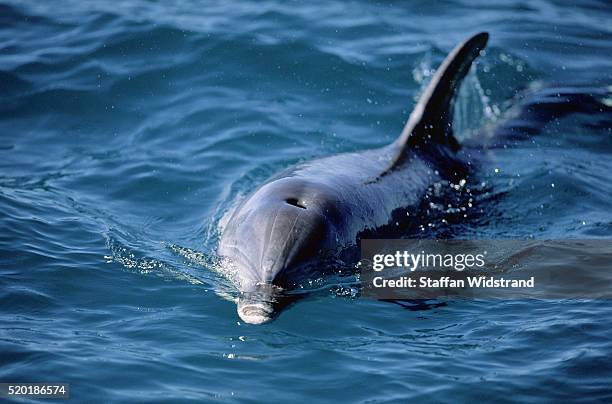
128,128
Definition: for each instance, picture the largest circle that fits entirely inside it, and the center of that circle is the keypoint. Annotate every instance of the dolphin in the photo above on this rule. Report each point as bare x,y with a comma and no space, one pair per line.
294,224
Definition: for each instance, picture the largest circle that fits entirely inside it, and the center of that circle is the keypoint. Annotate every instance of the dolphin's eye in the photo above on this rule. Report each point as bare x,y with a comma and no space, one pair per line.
295,202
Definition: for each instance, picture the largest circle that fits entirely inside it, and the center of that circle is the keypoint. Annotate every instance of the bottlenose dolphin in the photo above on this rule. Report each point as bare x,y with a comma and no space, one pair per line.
287,229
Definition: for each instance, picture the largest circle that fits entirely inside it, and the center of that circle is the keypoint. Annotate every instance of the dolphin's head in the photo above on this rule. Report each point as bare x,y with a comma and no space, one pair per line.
272,239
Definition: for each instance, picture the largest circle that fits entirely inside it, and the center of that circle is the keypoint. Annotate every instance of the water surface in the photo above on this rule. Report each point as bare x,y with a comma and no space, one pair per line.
128,128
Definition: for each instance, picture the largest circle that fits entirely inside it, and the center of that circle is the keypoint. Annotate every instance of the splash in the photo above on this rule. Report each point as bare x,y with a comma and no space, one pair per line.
226,281
145,265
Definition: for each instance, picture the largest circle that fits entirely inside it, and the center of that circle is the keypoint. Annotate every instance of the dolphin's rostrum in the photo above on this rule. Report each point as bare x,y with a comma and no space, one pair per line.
283,232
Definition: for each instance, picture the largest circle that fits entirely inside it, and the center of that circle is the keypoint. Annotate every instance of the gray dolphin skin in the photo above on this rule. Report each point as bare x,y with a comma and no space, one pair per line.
288,228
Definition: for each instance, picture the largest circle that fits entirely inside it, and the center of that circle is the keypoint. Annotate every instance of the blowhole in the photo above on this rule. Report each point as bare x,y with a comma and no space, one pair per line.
295,202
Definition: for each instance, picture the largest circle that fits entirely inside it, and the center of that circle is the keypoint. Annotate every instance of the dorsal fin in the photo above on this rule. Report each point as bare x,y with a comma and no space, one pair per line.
431,120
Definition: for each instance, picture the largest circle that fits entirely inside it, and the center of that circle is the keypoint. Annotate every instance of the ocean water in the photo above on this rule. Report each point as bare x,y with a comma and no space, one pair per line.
128,128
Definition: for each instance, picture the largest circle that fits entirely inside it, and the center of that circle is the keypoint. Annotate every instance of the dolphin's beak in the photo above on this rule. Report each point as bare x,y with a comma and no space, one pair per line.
258,306
255,313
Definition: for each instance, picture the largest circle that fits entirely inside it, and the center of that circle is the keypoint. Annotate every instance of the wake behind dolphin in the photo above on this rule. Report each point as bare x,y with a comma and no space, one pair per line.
314,211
